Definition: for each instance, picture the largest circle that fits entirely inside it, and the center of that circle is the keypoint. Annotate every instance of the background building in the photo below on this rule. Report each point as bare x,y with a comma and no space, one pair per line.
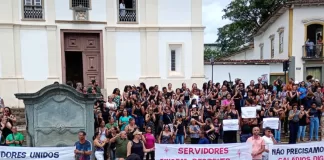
116,42
282,37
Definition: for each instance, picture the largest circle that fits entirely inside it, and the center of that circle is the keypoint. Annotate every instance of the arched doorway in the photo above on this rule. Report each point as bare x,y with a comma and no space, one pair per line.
314,42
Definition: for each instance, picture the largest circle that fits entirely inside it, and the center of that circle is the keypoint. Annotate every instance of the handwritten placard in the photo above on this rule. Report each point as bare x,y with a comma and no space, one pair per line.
230,125
248,112
272,123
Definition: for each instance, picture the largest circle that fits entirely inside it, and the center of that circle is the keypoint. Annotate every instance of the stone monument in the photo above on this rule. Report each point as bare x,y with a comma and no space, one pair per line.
55,115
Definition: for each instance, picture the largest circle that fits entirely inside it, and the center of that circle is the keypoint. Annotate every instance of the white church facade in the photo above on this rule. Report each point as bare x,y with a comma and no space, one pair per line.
116,42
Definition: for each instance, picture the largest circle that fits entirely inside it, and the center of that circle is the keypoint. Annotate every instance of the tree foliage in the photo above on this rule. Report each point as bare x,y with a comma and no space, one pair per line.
246,16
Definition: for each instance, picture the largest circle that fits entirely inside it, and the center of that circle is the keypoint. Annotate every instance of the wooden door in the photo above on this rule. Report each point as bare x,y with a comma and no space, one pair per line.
91,58
91,67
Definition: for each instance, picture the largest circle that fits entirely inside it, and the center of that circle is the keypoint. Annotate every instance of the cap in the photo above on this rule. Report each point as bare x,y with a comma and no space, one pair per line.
316,80
137,132
179,116
194,106
296,82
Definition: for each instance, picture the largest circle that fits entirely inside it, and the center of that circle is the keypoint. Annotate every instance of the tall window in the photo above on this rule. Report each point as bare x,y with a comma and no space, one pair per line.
272,47
173,60
127,11
281,39
33,9
80,3
261,52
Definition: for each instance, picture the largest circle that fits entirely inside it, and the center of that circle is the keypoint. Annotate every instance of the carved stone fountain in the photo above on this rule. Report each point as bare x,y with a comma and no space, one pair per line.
55,115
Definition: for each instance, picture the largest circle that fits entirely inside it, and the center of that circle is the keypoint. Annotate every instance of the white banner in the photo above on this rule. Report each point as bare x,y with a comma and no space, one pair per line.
249,112
39,153
300,151
272,123
233,151
230,125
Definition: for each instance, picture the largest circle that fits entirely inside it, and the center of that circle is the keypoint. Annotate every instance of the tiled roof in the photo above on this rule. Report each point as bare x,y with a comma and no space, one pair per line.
255,61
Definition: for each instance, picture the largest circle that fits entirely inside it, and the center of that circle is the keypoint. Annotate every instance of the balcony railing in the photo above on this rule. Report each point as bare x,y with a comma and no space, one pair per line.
127,15
313,52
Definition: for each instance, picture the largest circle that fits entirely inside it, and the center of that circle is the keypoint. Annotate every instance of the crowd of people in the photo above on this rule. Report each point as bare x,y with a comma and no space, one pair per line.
9,135
129,123
132,121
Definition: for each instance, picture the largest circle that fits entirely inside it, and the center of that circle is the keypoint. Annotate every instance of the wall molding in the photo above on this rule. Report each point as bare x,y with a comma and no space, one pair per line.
261,44
281,29
312,20
272,36
154,28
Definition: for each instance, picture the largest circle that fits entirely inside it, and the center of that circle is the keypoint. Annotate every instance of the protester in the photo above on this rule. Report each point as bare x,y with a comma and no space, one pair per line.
83,147
269,140
258,144
15,138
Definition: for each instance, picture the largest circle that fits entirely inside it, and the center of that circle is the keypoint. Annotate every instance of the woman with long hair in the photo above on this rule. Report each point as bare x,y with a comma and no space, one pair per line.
166,135
314,121
99,146
136,146
124,119
208,129
149,141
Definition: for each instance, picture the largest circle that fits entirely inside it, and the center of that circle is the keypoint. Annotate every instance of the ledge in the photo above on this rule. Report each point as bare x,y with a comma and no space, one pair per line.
80,22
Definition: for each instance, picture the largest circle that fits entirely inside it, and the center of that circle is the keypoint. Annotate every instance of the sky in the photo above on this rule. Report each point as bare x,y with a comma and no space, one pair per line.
212,18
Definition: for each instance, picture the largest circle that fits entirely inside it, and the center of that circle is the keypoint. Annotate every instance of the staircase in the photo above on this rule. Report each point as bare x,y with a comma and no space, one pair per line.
21,121
21,125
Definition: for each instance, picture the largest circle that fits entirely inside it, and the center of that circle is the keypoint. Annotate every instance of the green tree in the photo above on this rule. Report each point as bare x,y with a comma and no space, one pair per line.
208,53
246,16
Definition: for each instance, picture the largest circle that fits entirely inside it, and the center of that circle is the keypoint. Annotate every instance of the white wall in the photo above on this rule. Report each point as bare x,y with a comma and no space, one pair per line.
175,37
245,72
245,55
34,54
62,10
282,21
174,12
128,57
97,12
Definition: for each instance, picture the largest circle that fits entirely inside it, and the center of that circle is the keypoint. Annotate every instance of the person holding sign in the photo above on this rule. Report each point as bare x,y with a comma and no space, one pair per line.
268,139
258,144
230,136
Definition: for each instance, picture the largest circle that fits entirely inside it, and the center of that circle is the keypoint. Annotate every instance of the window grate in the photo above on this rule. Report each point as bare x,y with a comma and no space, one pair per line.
33,9
80,3
127,10
173,60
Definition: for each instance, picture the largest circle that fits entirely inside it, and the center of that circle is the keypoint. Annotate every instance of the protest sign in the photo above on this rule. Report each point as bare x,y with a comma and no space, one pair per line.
39,153
234,151
272,123
301,151
248,112
230,125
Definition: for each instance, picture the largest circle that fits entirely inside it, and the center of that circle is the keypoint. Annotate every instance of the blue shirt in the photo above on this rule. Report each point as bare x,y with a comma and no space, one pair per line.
83,147
203,141
303,92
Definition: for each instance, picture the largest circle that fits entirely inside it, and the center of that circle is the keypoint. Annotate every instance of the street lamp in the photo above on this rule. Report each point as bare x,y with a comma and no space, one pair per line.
212,61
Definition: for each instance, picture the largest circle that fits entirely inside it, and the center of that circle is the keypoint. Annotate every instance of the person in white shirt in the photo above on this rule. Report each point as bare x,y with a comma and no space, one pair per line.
122,11
268,139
